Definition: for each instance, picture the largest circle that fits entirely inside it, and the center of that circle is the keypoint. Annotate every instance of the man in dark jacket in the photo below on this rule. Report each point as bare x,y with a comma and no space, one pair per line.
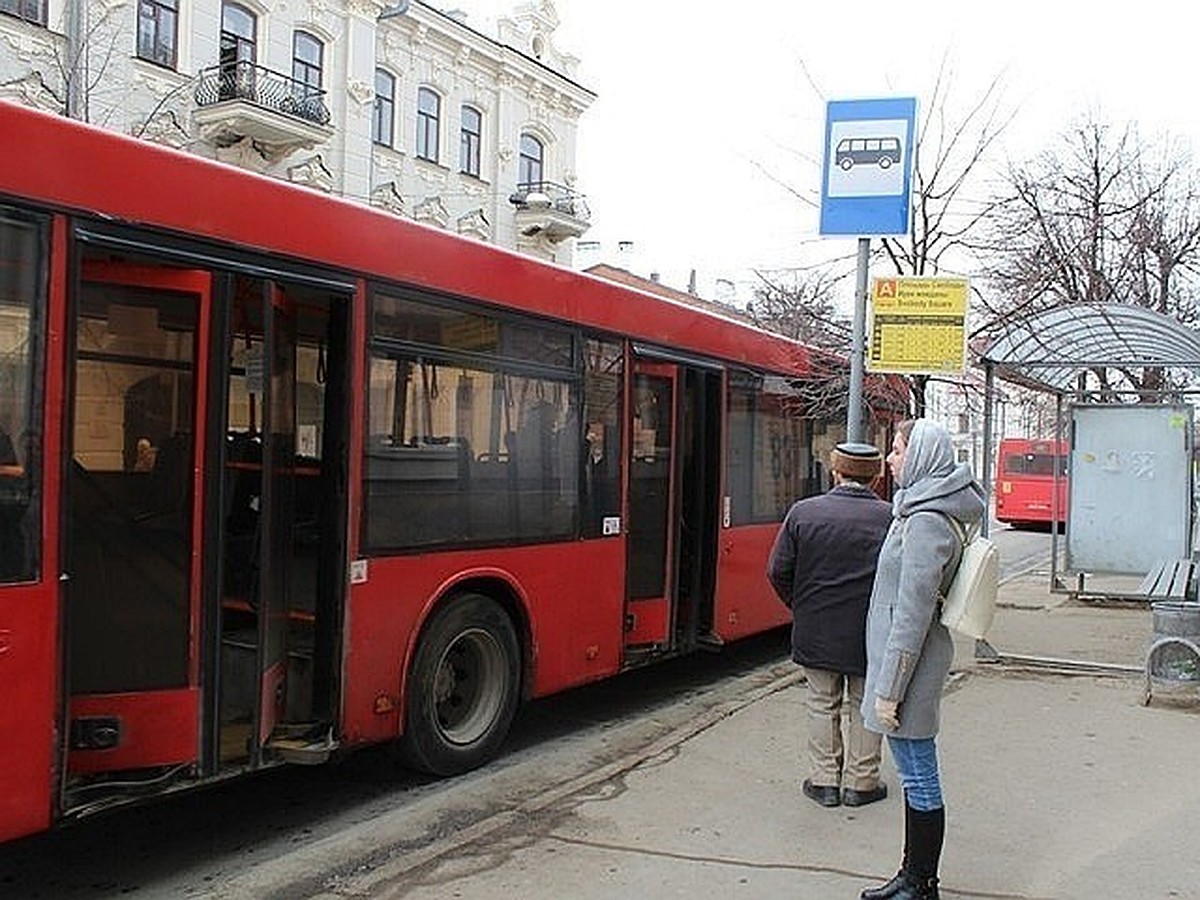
822,567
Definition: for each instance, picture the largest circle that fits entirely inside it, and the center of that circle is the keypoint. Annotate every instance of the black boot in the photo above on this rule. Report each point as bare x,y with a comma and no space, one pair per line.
900,879
917,879
887,891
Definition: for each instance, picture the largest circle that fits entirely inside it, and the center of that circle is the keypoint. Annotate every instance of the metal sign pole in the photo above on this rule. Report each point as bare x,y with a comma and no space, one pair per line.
854,411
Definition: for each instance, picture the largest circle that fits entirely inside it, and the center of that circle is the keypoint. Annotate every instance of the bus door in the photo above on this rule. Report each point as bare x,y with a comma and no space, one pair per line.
674,484
134,485
673,496
282,521
652,483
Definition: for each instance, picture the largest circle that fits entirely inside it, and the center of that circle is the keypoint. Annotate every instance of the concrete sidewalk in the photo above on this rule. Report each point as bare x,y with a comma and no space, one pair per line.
1057,786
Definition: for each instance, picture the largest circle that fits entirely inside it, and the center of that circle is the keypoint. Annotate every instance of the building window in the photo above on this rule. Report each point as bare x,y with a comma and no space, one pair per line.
384,117
158,24
529,172
29,10
238,52
472,133
238,42
306,64
428,115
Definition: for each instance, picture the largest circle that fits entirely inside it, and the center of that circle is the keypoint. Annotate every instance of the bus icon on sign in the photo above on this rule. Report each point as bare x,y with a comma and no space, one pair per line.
880,151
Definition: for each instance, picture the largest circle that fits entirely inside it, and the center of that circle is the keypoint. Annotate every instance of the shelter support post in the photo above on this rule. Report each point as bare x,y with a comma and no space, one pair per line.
989,386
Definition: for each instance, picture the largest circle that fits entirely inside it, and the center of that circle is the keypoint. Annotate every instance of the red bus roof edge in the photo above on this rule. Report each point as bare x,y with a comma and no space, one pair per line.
85,168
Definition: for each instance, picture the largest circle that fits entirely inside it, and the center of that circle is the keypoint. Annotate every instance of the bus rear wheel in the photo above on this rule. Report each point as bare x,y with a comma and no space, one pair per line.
463,688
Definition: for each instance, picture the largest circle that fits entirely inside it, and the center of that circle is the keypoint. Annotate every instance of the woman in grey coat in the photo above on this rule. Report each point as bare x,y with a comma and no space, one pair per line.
909,650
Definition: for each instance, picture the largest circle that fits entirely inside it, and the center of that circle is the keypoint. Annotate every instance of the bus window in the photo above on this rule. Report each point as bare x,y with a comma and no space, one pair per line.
22,264
603,373
472,436
131,480
768,453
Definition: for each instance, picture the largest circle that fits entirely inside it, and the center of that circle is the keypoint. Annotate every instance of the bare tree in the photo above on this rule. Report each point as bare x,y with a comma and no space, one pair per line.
801,304
1102,217
952,149
92,34
953,146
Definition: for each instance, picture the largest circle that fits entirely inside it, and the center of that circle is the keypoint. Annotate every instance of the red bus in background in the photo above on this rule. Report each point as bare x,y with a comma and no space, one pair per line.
1026,482
282,475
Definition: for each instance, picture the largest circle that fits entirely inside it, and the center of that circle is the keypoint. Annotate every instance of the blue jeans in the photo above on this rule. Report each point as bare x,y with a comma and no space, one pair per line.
917,765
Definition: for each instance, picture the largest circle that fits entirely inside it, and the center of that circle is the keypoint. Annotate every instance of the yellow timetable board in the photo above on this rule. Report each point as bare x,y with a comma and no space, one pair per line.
918,325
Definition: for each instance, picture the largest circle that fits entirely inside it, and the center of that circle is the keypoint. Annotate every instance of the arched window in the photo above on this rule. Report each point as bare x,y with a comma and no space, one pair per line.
384,118
472,135
429,106
238,52
307,53
238,35
529,166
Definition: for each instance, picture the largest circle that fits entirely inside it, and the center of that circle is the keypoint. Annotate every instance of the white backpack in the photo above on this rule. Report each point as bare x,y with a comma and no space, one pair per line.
969,601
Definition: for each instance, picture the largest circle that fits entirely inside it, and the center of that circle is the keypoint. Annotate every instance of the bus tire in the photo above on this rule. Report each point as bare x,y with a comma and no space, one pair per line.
464,687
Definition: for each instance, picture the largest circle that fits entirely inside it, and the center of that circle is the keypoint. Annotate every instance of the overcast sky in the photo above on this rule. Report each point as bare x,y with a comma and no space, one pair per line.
704,111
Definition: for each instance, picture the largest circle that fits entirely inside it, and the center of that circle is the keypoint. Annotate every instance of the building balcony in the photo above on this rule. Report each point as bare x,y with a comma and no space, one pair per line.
551,210
244,100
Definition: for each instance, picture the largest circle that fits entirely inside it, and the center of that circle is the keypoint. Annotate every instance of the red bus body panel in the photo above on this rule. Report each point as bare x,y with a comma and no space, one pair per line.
159,728
29,673
565,592
746,602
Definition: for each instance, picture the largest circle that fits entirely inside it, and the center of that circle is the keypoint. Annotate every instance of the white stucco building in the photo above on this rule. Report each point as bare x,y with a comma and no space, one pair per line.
395,104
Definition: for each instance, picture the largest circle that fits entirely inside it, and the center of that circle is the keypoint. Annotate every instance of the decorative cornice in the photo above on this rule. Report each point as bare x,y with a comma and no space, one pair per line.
244,153
360,92
475,224
366,9
432,211
32,91
385,196
312,173
163,127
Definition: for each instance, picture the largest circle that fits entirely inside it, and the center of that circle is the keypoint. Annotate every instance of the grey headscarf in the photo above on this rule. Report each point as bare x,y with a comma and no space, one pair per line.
929,452
930,469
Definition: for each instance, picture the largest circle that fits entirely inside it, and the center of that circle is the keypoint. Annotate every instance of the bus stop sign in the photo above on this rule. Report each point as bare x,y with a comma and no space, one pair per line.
866,178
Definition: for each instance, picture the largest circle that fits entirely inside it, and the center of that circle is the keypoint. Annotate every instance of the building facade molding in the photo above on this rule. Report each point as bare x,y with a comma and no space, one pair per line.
513,75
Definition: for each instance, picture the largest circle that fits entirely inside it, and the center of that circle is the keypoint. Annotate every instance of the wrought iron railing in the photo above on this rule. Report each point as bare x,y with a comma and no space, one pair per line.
262,87
562,199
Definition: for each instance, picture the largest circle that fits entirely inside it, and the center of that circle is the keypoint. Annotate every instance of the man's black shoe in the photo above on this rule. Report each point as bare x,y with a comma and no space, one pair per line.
825,794
851,797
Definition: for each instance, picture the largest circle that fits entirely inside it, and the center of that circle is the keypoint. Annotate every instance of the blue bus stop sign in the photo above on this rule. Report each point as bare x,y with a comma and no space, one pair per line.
866,178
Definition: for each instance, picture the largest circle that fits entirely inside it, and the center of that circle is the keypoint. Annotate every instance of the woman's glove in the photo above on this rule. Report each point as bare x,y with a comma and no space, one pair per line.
888,713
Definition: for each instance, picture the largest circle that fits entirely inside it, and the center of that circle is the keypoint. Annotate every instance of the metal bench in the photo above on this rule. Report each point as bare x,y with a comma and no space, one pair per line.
1169,579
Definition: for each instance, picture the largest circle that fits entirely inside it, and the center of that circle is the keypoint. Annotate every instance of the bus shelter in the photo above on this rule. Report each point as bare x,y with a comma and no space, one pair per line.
1131,444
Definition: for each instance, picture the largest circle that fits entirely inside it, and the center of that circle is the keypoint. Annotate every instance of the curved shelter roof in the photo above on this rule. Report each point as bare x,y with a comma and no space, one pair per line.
1048,350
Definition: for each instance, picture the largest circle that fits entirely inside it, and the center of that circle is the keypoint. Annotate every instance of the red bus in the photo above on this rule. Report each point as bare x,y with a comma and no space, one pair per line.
283,475
1026,480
